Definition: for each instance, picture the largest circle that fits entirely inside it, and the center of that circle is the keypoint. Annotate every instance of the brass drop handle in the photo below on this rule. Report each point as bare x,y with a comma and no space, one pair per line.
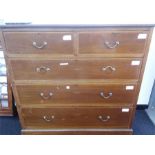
48,118
41,46
104,118
43,69
46,97
104,96
110,45
109,67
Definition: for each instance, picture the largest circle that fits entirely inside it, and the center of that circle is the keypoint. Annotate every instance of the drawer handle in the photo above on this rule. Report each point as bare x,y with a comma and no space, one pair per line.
46,97
48,118
39,47
104,118
110,45
109,67
42,69
104,96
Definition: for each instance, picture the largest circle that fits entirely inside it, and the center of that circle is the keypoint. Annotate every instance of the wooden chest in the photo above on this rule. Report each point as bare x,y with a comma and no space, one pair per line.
76,79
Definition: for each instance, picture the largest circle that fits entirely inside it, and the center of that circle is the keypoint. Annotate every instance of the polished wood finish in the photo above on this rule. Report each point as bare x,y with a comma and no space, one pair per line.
87,83
22,42
70,69
95,43
62,117
68,131
77,94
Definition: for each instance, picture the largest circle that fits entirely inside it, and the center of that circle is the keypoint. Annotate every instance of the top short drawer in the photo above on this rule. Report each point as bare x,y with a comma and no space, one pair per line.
39,42
112,42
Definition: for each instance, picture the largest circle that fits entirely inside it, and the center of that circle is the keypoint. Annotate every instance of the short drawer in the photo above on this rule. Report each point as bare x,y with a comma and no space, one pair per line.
39,42
81,117
65,94
76,69
112,42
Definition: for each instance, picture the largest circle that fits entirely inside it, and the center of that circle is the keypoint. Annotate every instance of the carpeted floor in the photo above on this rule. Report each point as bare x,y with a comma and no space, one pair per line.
142,125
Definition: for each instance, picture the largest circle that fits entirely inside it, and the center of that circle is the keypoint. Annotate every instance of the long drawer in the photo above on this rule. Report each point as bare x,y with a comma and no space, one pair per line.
90,94
85,117
112,42
116,68
39,42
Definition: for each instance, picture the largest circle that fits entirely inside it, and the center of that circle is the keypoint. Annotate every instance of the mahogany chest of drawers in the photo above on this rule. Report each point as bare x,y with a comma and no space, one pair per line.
76,79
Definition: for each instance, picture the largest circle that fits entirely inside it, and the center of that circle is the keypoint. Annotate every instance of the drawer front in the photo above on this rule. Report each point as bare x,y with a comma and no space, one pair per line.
110,94
76,117
39,42
112,42
76,69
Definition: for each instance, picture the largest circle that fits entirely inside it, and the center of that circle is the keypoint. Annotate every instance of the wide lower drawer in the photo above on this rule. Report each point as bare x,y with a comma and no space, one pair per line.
99,93
39,42
121,68
112,42
73,117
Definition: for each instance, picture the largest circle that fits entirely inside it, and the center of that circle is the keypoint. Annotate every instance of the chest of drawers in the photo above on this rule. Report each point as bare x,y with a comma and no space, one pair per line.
76,80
